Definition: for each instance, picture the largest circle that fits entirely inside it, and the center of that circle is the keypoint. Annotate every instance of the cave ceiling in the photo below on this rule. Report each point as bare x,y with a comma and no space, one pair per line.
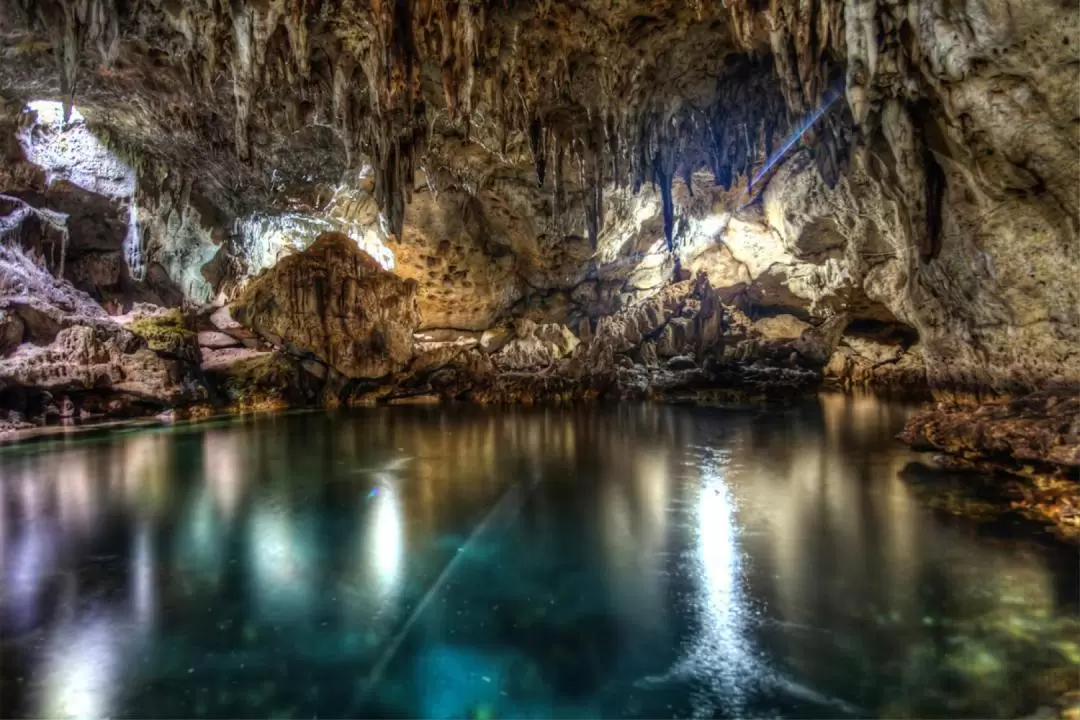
268,103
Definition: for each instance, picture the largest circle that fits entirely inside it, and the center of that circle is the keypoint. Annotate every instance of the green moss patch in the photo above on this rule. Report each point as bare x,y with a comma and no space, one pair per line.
164,332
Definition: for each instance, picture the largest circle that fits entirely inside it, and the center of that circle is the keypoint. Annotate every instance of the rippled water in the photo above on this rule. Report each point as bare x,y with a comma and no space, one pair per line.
610,561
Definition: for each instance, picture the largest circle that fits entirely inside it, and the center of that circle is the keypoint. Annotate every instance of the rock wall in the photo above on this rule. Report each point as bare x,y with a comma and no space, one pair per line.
64,358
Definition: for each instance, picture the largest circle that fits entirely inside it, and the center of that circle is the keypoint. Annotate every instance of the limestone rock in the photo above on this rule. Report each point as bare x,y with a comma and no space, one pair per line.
817,344
1039,432
335,302
214,340
247,380
781,327
493,339
681,362
865,363
536,346
1035,437
12,328
43,302
166,331
99,359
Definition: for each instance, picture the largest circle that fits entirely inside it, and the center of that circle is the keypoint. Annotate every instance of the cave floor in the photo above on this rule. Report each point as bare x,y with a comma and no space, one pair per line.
601,561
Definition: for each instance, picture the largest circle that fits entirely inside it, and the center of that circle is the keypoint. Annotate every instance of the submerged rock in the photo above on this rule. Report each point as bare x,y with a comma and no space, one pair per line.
1037,433
1035,437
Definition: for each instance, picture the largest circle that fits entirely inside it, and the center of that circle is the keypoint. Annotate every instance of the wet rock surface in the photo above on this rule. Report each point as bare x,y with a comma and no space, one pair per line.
1039,432
1035,438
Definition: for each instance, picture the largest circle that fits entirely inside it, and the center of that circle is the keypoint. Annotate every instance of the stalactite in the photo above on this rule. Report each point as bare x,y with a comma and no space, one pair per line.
242,77
296,26
539,151
558,199
614,148
542,92
663,182
935,196
12,230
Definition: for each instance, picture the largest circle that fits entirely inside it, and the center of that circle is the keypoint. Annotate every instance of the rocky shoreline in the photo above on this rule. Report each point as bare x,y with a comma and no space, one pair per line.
1028,447
330,328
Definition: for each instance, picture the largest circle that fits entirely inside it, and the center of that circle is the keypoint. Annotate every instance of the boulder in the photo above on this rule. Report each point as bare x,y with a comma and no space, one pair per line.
101,359
165,330
816,344
335,302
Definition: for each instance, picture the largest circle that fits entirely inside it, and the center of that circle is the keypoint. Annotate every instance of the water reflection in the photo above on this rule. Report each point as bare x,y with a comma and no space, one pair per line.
384,546
724,648
636,560
223,468
143,569
284,561
80,674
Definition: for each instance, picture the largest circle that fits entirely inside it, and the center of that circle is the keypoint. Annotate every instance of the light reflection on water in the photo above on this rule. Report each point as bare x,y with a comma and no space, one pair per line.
724,647
650,561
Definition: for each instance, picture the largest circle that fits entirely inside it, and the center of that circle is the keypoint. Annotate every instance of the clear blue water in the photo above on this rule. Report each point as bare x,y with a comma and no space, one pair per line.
639,561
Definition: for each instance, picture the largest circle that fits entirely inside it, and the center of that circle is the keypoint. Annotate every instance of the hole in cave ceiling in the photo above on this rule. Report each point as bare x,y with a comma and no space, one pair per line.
70,152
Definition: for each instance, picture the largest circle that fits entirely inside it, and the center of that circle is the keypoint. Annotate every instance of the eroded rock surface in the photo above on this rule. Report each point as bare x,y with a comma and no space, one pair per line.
334,301
1035,437
1036,434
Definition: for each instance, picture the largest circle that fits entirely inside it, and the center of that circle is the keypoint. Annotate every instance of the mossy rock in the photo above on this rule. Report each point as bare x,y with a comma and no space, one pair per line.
167,334
267,381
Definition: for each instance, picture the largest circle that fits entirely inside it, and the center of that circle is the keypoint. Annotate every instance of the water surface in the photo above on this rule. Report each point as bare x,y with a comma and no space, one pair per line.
630,560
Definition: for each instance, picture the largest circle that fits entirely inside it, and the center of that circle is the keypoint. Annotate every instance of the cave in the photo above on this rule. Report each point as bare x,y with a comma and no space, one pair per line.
556,358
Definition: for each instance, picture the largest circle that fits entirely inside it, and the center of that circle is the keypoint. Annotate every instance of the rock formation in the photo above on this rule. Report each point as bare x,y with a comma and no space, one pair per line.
677,199
334,301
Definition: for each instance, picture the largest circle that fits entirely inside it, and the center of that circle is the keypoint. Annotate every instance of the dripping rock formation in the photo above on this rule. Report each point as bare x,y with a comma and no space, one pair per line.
214,205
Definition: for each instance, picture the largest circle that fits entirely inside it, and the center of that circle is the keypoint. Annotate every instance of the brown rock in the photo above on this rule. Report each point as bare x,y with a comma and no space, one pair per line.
248,380
335,302
1035,438
781,327
101,358
1036,433
536,346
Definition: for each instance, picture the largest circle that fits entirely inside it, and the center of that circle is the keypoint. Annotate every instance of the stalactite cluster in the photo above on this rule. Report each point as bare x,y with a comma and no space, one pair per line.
596,93
382,75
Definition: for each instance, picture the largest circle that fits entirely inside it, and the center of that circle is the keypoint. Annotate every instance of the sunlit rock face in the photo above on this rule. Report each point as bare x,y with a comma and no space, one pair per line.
71,173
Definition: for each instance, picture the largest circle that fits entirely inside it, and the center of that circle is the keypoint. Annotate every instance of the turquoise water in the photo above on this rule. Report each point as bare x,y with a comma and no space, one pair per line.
624,561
